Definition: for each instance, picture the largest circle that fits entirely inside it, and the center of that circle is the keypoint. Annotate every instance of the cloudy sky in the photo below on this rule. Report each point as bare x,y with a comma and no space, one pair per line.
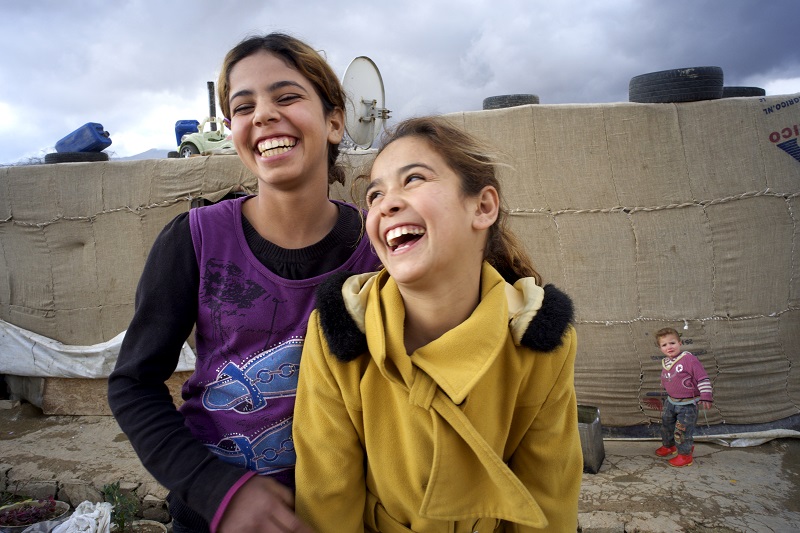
139,66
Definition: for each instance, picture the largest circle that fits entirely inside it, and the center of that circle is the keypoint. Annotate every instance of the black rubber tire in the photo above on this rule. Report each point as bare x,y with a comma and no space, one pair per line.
188,150
509,100
173,154
734,91
75,157
677,85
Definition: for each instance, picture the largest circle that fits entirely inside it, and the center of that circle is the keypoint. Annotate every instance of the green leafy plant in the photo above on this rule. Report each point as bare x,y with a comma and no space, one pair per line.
29,512
125,506
7,497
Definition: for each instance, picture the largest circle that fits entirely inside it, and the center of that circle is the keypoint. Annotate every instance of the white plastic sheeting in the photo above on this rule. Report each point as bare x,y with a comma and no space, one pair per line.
24,353
88,518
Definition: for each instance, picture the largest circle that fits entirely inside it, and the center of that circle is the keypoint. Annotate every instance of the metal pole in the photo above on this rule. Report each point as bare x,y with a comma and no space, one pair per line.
212,105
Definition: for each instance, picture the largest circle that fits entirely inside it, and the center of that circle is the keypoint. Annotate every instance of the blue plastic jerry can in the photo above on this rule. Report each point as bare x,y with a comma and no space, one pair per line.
182,127
91,137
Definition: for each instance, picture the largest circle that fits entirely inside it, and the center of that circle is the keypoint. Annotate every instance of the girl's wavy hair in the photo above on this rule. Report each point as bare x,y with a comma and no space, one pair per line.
476,163
305,60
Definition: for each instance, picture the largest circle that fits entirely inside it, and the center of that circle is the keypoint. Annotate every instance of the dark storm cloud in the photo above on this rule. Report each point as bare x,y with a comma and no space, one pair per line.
139,66
745,38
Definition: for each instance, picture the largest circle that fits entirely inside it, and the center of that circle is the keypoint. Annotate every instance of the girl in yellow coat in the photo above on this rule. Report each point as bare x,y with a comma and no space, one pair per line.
437,395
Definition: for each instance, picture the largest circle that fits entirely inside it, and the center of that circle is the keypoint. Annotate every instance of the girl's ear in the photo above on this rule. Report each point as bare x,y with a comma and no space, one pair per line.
335,126
487,208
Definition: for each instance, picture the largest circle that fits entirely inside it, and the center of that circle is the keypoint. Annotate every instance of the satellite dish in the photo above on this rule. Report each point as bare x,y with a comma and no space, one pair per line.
365,112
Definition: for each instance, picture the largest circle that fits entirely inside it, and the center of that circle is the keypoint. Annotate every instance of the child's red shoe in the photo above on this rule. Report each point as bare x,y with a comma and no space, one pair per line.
681,460
666,451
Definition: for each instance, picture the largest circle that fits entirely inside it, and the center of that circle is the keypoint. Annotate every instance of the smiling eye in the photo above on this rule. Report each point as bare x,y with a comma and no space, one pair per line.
242,109
414,177
288,98
372,196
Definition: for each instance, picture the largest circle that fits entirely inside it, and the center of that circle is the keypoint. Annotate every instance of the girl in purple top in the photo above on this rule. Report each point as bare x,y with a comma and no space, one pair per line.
244,273
687,385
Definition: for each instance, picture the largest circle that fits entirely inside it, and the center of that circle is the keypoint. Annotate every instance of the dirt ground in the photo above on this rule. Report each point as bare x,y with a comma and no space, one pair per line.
71,457
727,489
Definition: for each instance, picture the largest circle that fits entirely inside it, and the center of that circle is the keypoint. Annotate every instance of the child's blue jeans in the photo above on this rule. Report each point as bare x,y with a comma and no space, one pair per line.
677,426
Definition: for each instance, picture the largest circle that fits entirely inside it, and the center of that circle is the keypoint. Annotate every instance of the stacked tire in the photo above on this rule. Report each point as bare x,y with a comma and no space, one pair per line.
677,85
75,157
509,100
734,91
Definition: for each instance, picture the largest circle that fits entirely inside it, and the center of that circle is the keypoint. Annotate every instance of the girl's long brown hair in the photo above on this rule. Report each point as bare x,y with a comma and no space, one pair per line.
301,57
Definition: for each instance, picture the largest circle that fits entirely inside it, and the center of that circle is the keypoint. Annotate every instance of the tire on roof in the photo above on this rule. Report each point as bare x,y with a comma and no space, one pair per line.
509,100
677,85
734,91
75,157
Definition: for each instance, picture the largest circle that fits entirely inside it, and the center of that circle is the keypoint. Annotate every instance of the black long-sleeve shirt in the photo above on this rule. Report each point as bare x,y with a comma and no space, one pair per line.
164,315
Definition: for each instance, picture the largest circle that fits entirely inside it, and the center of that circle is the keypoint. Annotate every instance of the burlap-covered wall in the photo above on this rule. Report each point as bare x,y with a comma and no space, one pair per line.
648,215
654,215
74,237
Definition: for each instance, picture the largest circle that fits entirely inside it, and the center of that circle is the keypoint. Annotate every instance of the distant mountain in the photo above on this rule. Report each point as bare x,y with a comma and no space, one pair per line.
153,153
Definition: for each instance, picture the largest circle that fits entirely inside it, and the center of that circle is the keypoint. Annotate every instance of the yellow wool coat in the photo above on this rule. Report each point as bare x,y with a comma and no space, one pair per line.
471,432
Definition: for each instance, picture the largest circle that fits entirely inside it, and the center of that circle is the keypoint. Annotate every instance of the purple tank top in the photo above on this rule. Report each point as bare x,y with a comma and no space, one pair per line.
249,337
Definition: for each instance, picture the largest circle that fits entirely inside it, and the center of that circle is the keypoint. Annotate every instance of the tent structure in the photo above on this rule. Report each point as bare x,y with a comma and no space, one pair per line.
647,215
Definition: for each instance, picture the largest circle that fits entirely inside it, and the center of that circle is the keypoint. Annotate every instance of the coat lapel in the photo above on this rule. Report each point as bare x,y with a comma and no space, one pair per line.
492,488
437,378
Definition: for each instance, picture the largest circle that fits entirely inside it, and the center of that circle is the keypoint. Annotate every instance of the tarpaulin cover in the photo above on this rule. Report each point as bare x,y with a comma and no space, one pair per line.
25,353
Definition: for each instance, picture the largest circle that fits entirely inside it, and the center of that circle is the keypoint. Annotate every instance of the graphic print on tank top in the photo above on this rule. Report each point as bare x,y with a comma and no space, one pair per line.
243,313
226,293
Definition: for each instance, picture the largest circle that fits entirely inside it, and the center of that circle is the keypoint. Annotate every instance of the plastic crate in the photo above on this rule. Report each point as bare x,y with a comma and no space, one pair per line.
591,433
182,127
91,137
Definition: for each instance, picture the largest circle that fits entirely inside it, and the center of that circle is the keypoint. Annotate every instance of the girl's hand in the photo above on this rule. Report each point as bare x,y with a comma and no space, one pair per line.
262,505
704,404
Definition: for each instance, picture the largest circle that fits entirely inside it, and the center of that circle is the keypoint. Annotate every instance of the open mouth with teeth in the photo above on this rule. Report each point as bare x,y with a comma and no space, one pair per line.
277,146
403,236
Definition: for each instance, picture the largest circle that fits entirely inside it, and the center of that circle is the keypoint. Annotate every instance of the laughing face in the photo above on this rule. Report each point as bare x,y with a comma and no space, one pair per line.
279,126
422,227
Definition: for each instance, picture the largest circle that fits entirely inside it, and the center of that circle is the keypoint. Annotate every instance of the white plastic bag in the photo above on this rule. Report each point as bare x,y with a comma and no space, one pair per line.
88,518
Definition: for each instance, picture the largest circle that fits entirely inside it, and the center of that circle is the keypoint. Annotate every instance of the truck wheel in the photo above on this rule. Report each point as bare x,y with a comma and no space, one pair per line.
173,154
75,157
676,85
509,100
188,150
